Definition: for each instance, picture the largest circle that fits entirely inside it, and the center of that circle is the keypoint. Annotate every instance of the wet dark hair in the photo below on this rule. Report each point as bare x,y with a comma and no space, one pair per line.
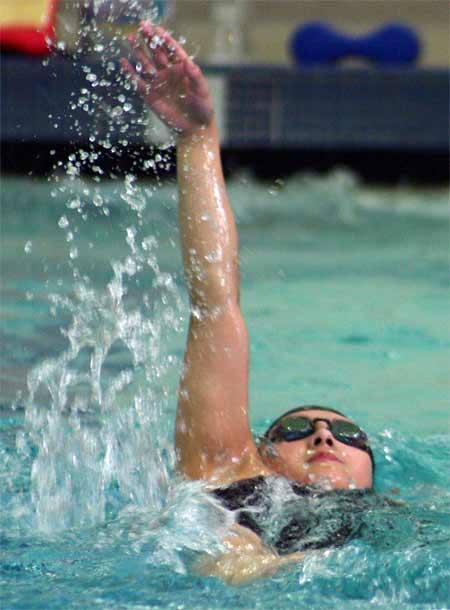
301,408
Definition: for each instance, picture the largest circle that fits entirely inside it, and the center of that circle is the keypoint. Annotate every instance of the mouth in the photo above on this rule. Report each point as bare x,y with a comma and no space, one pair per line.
323,457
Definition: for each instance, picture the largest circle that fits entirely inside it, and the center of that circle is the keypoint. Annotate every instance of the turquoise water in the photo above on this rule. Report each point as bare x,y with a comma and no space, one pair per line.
345,291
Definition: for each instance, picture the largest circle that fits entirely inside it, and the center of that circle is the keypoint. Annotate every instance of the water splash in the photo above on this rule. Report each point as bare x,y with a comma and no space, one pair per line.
337,198
94,430
94,412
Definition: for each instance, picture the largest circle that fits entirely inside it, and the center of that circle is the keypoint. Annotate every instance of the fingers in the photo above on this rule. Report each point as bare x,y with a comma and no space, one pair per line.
156,48
158,38
141,85
197,82
141,56
160,58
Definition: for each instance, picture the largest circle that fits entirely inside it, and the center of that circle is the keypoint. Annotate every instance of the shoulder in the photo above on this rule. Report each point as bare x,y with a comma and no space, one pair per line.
250,473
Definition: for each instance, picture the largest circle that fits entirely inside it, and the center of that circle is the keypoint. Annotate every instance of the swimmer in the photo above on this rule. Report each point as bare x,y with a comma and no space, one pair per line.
311,447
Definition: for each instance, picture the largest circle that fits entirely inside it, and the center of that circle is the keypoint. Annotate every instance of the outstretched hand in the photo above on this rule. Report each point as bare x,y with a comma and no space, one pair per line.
170,83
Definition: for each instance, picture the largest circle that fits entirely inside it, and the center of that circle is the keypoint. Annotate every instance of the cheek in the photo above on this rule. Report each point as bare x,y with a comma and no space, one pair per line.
294,457
293,453
360,467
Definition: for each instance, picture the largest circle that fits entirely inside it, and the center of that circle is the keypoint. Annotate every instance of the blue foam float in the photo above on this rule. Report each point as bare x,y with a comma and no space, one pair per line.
316,43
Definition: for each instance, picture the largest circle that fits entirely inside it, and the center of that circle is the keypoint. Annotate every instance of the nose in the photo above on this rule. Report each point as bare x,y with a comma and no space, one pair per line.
321,435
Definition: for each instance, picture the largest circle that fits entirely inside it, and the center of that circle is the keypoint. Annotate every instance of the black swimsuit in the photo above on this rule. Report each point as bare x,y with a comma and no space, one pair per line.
293,517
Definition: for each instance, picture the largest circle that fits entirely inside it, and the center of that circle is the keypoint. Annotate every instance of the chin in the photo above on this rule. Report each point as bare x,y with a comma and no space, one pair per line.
327,480
328,483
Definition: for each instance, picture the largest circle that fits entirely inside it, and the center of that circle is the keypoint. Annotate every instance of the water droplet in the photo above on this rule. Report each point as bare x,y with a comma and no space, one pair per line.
28,247
149,243
73,252
98,200
63,223
69,236
116,111
74,204
156,41
71,170
98,48
214,256
91,77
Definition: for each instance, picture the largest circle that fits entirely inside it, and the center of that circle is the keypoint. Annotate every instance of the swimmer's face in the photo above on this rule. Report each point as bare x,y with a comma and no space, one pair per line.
320,459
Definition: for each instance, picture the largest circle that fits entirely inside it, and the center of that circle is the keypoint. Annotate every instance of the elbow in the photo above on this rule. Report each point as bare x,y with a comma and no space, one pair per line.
213,288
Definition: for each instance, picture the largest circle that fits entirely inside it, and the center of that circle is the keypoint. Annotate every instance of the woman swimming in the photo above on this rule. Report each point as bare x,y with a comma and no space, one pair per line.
315,450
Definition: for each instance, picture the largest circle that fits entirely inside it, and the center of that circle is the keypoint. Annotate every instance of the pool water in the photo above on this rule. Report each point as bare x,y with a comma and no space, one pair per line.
345,292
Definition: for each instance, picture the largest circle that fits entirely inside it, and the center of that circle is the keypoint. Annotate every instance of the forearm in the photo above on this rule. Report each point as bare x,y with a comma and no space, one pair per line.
246,559
240,569
208,231
237,569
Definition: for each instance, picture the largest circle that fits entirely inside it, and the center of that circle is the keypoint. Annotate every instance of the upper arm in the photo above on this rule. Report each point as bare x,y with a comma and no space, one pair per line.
212,427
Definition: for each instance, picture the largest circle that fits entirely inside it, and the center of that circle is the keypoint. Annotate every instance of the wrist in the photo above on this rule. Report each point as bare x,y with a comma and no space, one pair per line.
199,133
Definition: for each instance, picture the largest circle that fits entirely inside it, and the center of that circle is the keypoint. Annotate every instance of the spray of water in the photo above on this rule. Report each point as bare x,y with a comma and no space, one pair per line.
99,415
102,427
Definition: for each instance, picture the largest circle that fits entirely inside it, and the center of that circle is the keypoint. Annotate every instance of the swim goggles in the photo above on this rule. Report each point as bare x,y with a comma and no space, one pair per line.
297,428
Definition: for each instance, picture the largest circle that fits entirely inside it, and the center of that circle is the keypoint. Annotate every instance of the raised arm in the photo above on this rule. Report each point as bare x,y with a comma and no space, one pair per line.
213,437
212,433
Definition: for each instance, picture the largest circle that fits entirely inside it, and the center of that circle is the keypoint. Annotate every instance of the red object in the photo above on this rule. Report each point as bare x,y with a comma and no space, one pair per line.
30,39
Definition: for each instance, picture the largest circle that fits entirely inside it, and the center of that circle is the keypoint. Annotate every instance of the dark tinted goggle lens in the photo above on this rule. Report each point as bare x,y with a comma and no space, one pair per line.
349,433
292,429
297,428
